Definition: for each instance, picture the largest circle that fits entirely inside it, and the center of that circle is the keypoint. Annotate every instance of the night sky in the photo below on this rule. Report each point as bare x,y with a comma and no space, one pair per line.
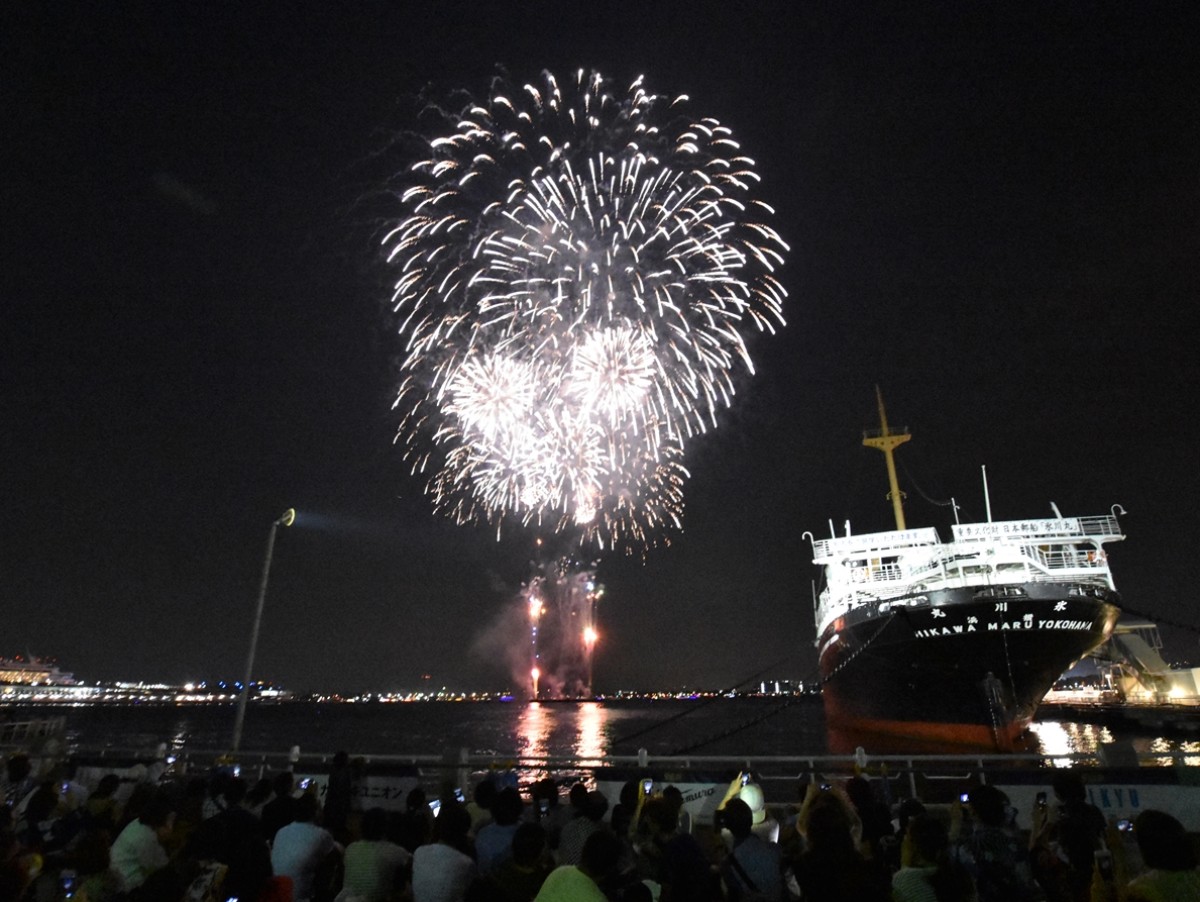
993,211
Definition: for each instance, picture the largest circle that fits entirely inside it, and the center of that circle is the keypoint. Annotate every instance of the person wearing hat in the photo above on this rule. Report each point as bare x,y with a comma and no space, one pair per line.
763,825
753,868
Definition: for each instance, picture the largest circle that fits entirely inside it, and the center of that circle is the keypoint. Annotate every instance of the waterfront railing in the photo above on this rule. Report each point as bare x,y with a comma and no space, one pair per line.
920,775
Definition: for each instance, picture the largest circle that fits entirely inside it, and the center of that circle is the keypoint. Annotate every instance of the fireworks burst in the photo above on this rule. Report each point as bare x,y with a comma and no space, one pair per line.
578,270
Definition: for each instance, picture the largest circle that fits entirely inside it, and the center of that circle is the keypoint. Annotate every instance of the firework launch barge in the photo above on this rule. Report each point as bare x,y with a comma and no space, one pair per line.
956,643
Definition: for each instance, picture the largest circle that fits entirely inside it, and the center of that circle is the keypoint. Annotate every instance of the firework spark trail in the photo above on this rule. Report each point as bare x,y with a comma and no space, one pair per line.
577,272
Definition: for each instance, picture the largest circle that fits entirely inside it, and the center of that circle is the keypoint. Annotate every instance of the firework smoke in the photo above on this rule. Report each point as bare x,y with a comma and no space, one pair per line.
578,270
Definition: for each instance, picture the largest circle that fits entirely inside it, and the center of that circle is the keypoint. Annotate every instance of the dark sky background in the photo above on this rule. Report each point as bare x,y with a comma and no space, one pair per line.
993,214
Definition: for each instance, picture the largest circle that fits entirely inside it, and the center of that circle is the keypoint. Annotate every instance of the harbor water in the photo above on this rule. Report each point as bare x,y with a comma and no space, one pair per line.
739,728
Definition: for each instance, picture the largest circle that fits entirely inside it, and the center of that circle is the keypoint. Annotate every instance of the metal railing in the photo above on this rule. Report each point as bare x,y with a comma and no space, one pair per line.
15,733
780,775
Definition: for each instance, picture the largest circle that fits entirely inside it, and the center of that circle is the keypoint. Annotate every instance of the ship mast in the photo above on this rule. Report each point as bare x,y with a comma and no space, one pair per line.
887,441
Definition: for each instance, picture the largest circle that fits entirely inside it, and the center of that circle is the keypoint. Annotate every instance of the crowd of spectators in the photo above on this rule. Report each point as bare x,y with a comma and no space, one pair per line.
219,838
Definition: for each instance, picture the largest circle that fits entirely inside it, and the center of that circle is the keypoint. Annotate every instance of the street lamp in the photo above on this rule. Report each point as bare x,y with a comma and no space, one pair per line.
289,517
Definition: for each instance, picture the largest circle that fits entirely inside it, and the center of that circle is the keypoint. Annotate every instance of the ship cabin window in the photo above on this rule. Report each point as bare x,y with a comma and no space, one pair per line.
862,569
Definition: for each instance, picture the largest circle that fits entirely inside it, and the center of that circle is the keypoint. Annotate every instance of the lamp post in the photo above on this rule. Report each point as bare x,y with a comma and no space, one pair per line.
288,517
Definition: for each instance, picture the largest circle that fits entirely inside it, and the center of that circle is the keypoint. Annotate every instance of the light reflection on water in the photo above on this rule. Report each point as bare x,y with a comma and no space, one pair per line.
1059,739
533,731
577,731
550,730
1166,745
591,744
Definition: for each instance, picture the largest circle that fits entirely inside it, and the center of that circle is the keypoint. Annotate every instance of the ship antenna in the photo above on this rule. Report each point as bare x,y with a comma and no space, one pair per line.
887,441
987,497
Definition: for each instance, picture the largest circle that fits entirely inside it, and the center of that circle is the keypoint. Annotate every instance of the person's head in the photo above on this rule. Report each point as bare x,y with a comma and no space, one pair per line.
528,844
738,818
374,824
600,856
259,792
1068,786
659,815
752,795
284,783
19,767
545,791
674,795
41,804
108,786
452,825
595,806
307,807
988,804
158,812
341,759
859,792
235,791
485,794
1164,844
578,797
909,809
829,828
216,784
928,837
416,800
507,807
630,791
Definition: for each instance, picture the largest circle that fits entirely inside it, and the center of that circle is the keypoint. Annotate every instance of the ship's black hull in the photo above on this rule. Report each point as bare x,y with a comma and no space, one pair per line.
964,666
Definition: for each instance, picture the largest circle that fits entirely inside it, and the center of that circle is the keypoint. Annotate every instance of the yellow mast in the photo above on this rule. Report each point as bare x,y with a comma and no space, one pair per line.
887,441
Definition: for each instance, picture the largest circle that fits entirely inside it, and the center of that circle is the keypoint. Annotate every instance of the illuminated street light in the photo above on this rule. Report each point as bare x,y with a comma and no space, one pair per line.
288,518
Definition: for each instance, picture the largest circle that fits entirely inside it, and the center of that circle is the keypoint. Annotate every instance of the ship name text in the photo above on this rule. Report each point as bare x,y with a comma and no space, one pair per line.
1027,623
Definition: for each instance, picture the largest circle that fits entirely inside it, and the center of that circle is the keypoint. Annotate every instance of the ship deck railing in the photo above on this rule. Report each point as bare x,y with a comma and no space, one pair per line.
1064,566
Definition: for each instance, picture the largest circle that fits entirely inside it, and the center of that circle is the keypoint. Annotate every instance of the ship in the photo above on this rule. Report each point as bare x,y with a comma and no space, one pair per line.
955,643
30,670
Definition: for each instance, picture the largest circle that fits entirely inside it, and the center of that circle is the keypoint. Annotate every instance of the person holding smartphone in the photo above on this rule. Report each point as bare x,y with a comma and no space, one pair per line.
995,855
1065,837
1169,857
